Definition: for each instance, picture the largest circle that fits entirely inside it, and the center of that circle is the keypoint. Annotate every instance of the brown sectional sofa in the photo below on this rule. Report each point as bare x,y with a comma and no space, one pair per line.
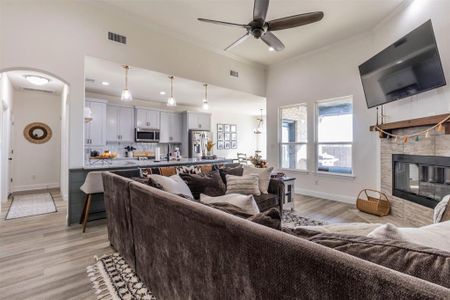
185,250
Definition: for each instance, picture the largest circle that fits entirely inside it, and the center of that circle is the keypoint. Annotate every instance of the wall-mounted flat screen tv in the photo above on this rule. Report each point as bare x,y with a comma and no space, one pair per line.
408,67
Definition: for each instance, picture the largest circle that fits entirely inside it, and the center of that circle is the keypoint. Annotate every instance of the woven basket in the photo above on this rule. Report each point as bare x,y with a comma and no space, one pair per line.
376,205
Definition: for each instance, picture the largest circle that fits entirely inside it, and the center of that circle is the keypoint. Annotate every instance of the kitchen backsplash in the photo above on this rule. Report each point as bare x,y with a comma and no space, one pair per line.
120,148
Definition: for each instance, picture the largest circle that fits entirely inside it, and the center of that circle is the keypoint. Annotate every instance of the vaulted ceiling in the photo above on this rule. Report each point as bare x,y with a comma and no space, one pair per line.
343,19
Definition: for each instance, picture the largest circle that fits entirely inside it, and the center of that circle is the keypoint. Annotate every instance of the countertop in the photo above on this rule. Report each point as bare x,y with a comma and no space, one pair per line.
121,163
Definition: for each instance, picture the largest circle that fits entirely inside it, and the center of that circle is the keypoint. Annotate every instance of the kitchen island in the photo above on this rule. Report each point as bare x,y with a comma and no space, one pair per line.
78,175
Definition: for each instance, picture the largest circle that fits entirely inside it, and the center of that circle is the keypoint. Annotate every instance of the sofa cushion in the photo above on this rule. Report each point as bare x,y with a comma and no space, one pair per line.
427,263
266,201
246,185
236,171
263,176
209,184
244,202
173,184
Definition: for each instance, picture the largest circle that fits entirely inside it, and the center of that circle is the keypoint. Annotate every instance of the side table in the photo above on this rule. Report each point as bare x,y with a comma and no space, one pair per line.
289,183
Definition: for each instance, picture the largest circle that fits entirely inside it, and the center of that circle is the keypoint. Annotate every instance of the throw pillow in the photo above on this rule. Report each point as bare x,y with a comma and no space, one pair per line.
386,231
209,184
270,218
173,184
435,235
263,175
246,185
148,181
236,171
245,202
189,170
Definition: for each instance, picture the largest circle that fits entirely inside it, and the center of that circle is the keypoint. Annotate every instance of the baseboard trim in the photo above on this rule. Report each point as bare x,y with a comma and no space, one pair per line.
327,196
33,187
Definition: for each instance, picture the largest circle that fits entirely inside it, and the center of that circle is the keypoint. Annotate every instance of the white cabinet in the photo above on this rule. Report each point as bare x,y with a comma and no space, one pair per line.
146,118
119,124
95,130
171,127
200,121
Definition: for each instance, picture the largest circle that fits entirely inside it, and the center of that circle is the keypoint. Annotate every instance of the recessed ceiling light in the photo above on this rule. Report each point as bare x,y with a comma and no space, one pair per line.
271,49
105,83
37,80
162,93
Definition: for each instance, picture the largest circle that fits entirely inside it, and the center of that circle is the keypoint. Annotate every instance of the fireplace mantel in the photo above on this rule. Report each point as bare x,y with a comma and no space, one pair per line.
426,121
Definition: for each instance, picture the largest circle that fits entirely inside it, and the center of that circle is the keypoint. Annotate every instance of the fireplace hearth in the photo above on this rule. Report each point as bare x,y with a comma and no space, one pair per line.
421,179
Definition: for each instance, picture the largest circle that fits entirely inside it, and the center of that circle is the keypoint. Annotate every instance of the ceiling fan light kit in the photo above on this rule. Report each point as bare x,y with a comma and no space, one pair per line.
260,28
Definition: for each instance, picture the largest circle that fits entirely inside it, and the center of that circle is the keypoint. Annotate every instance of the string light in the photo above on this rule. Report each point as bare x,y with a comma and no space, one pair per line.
439,127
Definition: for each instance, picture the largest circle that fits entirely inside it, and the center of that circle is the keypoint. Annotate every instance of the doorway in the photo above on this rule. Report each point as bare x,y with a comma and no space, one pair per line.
34,141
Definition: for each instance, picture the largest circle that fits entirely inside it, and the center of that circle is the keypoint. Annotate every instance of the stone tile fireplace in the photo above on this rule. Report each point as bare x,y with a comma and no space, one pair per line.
421,179
422,175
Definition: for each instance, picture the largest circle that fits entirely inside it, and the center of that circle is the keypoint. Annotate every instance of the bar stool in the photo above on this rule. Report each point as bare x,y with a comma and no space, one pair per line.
93,184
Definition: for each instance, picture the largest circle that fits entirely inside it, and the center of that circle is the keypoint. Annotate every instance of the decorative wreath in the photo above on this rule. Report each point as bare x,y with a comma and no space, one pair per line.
37,133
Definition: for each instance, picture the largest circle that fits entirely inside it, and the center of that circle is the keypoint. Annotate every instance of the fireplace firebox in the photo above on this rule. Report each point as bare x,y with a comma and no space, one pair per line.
421,179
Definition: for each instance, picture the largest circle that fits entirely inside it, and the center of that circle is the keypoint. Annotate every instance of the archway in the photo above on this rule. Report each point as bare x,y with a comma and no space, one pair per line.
12,82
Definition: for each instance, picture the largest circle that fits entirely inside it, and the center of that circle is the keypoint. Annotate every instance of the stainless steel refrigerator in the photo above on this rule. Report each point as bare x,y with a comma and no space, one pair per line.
197,142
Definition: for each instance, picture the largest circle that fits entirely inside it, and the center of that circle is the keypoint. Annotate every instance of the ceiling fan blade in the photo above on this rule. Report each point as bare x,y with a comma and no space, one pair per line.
238,41
260,10
295,21
272,41
223,23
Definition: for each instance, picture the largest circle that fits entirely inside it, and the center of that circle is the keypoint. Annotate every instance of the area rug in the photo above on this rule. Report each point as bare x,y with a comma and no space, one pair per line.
291,219
112,278
27,205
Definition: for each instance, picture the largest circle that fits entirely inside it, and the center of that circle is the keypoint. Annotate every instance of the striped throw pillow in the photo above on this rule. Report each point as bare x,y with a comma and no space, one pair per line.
245,185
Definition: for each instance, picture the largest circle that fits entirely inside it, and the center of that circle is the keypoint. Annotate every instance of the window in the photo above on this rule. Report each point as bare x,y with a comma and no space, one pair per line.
293,137
334,129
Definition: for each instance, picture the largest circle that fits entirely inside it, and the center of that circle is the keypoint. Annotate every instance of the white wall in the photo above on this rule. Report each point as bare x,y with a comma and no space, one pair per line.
5,120
245,124
333,72
78,28
65,151
36,166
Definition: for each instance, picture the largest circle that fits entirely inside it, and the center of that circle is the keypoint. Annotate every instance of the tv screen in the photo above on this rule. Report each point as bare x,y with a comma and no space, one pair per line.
408,67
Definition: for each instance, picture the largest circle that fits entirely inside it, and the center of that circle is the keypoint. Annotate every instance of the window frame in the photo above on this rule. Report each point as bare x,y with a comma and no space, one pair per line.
317,143
281,143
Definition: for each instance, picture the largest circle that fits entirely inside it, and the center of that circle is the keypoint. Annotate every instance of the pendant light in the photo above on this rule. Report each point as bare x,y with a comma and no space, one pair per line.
205,100
259,129
126,94
171,101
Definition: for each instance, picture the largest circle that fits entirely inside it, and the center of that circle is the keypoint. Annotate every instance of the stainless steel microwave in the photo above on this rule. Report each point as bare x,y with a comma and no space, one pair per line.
144,135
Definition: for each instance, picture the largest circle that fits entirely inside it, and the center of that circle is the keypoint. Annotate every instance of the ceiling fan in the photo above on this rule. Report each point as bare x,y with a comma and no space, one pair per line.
260,28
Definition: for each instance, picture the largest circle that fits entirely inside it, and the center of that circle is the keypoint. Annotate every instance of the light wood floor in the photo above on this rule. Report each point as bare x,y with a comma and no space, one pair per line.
337,212
42,258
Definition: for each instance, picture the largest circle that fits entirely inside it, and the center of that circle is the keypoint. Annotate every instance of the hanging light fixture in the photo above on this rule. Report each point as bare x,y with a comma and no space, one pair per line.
126,94
205,100
171,101
259,129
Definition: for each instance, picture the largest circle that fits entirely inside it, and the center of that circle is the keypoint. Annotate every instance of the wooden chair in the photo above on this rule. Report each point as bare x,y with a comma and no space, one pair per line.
93,184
